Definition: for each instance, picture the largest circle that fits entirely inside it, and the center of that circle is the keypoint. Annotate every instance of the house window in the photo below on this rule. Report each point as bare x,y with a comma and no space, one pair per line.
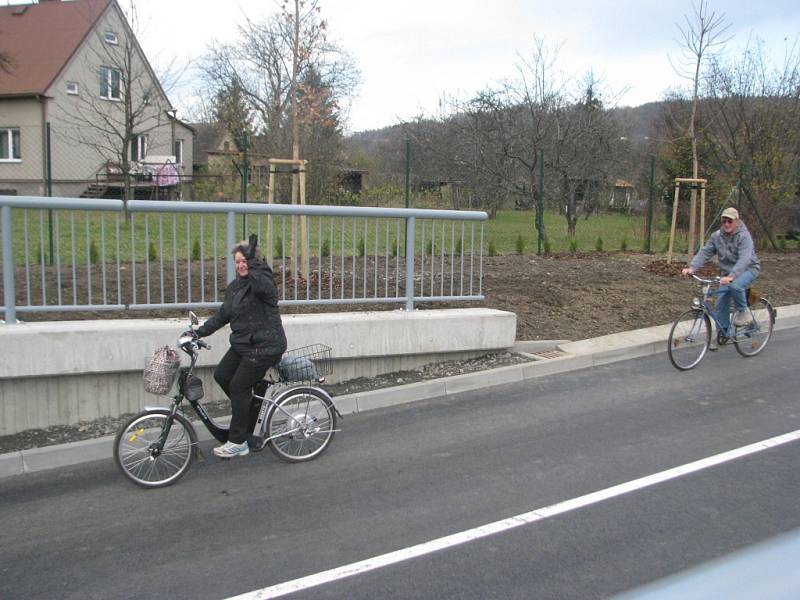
262,174
138,147
110,79
9,145
111,38
72,88
178,152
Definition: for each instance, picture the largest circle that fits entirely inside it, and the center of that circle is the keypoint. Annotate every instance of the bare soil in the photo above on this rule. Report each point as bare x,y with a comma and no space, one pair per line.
590,295
569,296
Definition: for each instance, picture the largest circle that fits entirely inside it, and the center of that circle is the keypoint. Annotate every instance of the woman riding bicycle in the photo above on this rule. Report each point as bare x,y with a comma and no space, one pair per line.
257,339
738,262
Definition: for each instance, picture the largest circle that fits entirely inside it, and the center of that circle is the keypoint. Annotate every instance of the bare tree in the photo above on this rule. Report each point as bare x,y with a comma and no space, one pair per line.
290,75
583,153
496,137
703,31
754,109
6,62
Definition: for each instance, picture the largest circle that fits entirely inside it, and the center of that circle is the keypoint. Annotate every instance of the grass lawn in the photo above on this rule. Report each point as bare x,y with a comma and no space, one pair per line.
82,237
613,229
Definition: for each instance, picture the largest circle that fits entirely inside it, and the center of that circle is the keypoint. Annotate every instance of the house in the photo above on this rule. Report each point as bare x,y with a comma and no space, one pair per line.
218,157
74,70
624,196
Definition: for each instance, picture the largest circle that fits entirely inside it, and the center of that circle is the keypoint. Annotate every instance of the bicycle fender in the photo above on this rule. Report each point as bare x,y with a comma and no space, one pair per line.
198,453
304,388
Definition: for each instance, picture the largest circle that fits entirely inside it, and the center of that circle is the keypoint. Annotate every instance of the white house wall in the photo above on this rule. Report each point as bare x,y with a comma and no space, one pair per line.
25,176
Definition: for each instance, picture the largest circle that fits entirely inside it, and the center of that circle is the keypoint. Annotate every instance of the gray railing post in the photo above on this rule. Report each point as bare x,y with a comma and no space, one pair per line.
231,240
9,293
410,226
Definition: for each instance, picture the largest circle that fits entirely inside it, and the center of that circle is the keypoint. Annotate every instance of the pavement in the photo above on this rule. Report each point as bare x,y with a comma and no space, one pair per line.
558,357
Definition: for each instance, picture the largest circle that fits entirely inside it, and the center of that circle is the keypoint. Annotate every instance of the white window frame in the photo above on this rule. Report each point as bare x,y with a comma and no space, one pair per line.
7,143
177,150
110,37
107,83
141,142
72,88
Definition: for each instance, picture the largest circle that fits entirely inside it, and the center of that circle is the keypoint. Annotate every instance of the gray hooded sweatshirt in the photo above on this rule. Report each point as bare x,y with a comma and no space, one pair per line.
735,252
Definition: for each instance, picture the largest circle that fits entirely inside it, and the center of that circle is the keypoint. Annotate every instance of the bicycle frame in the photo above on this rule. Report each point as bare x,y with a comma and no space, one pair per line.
704,305
268,403
273,403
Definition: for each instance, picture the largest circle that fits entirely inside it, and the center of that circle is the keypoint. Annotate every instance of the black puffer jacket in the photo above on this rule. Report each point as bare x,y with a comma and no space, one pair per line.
251,308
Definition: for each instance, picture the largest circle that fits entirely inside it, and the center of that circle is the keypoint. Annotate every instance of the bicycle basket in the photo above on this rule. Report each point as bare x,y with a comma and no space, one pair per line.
307,363
160,370
193,388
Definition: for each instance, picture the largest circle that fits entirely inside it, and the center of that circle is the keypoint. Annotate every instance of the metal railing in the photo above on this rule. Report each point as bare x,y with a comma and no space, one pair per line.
70,254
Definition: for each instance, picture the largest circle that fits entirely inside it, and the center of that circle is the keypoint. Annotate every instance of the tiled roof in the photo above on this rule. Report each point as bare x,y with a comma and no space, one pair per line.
40,38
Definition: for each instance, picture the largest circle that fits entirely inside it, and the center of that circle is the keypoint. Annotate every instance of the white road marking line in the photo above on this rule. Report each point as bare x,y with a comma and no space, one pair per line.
289,587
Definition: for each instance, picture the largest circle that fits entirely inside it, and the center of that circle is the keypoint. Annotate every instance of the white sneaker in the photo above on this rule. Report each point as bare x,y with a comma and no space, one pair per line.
231,450
742,318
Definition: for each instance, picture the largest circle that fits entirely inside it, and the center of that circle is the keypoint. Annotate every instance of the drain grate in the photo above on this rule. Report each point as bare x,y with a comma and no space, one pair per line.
547,354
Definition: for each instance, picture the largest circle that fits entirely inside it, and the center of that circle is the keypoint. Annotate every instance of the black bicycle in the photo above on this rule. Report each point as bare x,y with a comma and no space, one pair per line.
290,413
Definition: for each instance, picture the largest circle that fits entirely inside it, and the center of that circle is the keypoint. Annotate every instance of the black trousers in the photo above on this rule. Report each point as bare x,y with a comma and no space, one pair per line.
236,374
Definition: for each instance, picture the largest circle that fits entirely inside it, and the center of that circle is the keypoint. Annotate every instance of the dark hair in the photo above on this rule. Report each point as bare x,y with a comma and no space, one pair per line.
244,248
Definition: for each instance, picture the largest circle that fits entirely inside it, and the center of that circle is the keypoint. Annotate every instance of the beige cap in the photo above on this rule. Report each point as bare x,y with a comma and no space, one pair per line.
730,213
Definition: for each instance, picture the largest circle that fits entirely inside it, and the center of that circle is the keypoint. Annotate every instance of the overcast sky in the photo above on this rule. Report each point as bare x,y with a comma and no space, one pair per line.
412,52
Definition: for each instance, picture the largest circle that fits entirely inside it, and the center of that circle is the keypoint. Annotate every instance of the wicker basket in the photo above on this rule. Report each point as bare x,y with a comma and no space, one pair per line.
307,363
160,370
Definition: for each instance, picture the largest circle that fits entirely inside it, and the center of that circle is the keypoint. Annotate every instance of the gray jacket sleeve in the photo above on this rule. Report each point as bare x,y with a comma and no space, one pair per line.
746,250
705,253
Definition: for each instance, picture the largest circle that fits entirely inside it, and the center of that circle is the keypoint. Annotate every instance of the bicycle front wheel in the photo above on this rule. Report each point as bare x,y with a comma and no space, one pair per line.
136,450
301,425
753,338
689,339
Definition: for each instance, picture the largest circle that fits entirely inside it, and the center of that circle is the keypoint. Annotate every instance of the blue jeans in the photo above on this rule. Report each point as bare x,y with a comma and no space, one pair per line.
736,289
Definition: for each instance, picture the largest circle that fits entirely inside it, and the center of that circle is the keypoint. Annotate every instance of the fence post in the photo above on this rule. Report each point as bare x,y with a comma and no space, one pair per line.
231,240
410,225
49,188
408,171
540,206
9,293
243,194
649,230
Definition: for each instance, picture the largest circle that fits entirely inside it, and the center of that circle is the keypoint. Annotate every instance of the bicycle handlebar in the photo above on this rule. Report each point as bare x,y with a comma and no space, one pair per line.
701,280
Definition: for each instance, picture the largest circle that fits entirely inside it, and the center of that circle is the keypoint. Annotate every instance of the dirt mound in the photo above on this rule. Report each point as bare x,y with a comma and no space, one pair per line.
585,296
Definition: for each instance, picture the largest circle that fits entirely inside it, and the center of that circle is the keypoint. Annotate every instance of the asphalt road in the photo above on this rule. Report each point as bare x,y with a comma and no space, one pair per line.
400,477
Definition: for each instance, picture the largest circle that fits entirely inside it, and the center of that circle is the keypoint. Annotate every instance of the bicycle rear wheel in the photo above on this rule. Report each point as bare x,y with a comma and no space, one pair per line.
135,449
301,425
689,339
753,338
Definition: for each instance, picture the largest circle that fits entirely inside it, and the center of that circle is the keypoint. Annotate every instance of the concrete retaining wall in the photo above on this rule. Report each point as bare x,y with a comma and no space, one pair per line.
60,373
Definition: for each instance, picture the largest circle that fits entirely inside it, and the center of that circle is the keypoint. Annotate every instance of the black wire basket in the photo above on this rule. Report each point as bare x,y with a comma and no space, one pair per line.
308,363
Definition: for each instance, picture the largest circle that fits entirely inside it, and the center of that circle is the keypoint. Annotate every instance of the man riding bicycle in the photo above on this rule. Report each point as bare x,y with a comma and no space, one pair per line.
738,264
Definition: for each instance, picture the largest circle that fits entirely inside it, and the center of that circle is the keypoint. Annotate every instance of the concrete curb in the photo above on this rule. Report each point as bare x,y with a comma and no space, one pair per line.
574,356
